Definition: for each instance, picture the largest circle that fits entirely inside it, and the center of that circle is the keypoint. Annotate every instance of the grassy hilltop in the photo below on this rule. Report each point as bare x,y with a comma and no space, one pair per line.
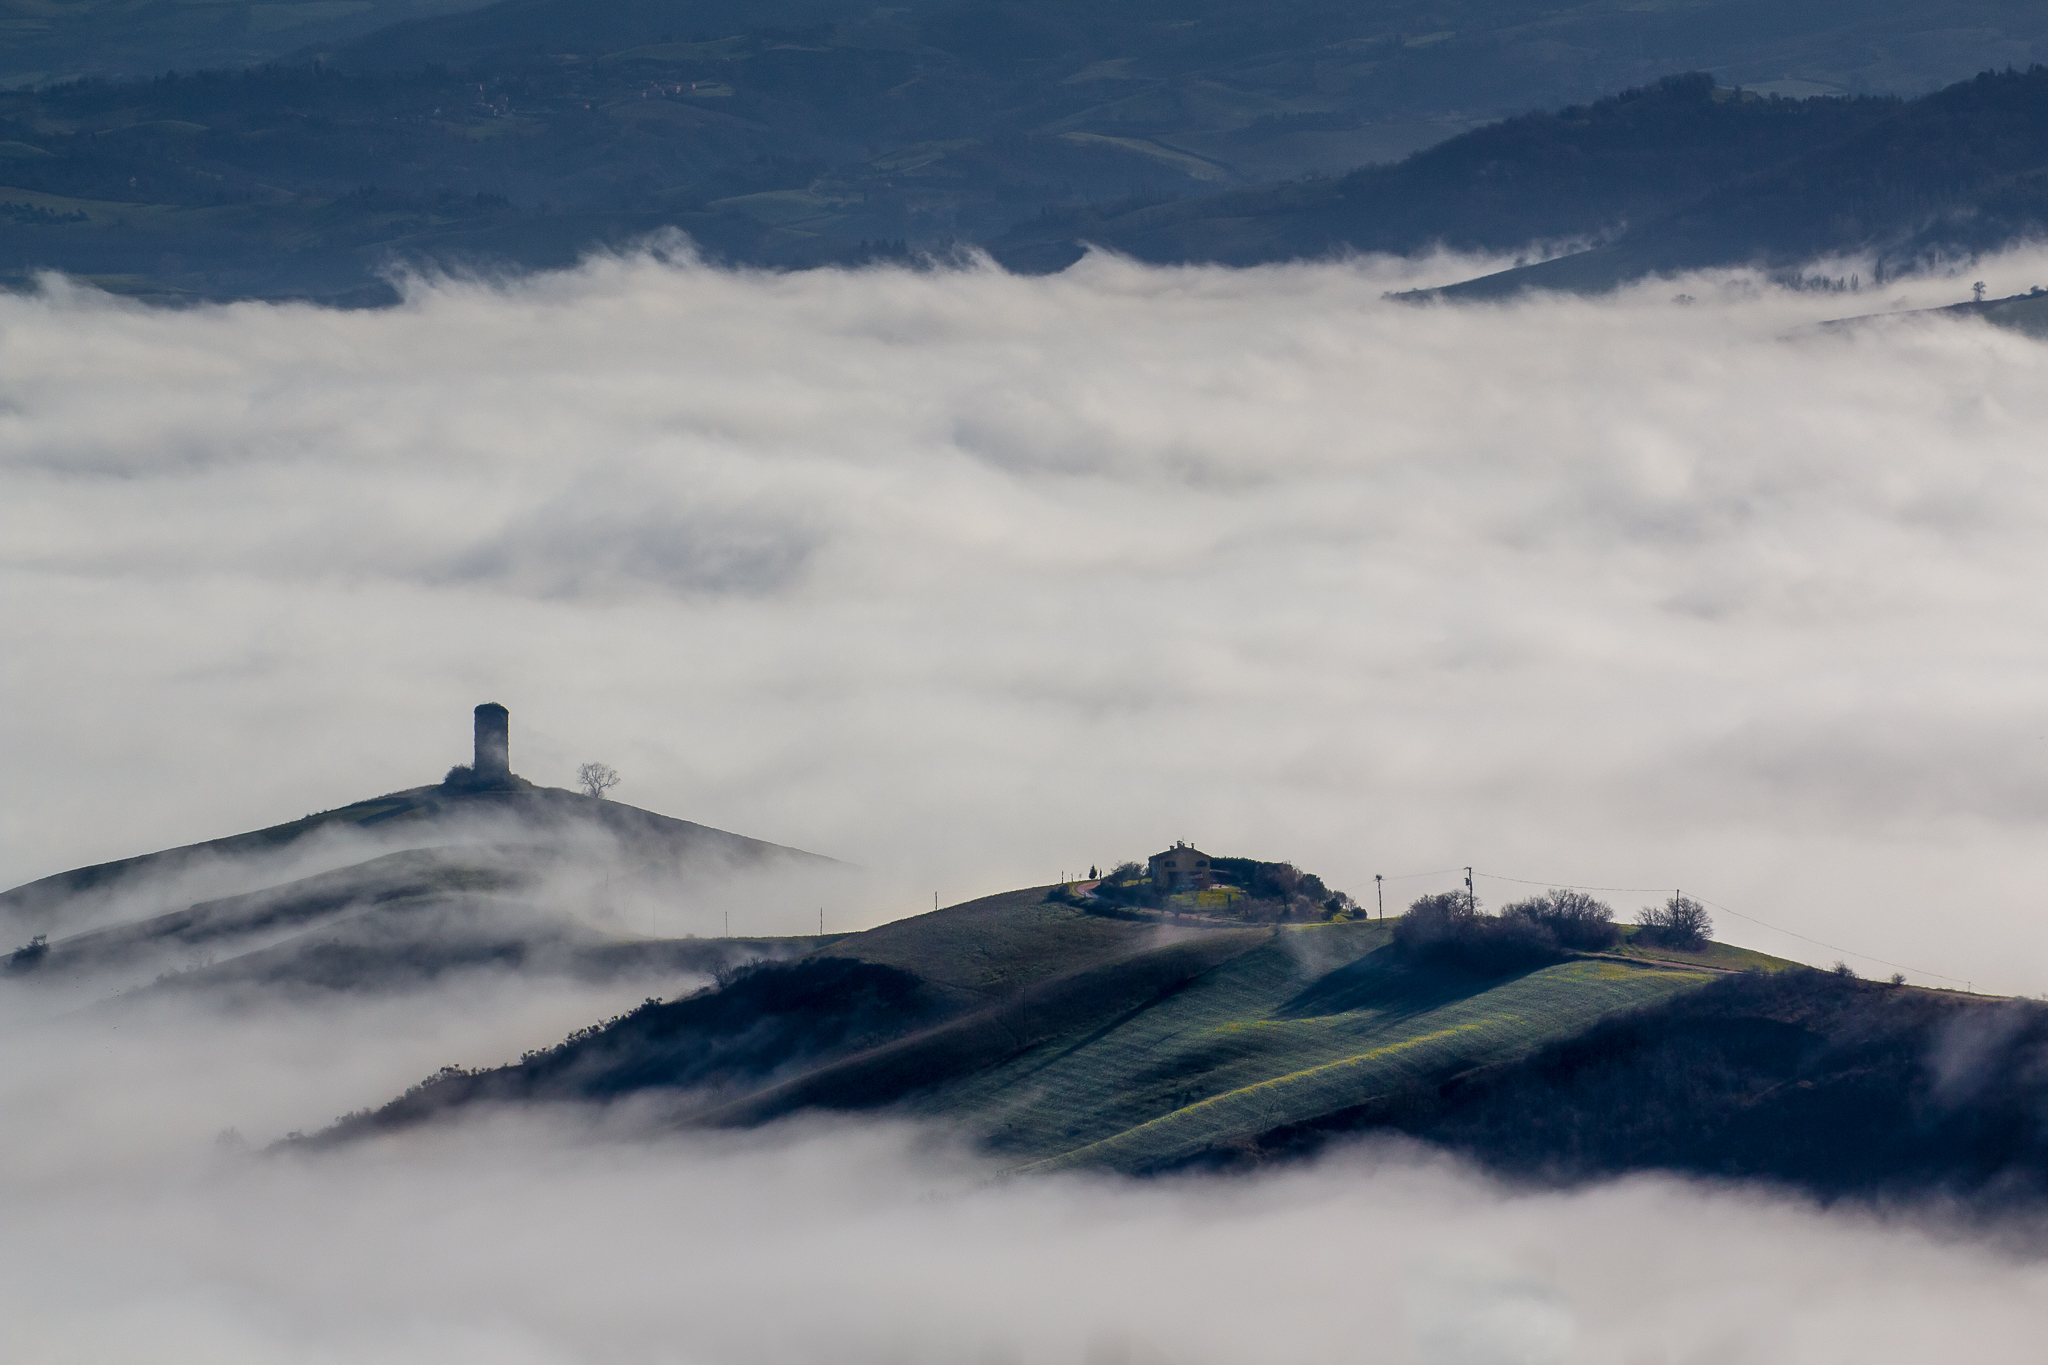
1076,1035
1068,1035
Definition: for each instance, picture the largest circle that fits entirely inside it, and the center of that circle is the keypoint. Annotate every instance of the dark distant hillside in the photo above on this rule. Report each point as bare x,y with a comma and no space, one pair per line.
1960,171
794,132
43,41
1579,173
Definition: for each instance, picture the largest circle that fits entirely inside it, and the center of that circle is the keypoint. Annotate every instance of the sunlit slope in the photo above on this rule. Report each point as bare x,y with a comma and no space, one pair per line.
1315,1020
1065,1034
983,950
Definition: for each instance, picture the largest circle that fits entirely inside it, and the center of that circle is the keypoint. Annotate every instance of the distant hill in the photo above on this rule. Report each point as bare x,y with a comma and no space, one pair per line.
1960,171
44,41
799,132
393,892
1573,176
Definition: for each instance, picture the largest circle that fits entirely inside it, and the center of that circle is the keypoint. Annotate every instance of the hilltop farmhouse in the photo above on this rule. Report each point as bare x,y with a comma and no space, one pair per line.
1180,868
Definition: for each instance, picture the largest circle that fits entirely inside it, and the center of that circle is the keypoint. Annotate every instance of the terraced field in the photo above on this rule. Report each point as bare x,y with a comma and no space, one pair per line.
1316,1019
1068,1034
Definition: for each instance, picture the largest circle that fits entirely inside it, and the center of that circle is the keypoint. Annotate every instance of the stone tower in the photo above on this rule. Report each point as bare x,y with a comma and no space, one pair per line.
493,744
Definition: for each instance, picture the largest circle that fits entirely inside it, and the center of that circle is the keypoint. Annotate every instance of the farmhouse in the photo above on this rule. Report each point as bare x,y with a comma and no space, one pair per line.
1180,868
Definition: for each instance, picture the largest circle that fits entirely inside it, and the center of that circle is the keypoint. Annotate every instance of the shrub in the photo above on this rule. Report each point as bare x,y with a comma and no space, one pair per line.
1843,969
1450,928
1573,918
1680,922
1127,884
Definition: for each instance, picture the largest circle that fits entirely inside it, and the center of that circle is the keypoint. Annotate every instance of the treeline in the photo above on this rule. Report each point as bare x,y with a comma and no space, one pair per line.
1452,928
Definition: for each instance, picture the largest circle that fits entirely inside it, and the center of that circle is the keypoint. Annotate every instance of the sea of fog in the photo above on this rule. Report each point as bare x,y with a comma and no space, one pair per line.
143,1221
974,580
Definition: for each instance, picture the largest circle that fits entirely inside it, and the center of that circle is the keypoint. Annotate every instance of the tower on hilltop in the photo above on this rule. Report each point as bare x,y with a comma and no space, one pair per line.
493,745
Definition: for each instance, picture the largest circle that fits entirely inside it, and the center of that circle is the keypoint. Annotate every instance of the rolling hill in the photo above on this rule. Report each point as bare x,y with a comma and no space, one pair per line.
393,892
1062,1034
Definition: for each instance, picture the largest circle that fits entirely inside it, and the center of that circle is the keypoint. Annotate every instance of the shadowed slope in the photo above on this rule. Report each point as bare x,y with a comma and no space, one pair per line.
1839,1086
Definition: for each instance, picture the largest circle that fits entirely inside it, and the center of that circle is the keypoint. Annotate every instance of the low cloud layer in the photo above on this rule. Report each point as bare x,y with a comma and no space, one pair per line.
975,579
131,1234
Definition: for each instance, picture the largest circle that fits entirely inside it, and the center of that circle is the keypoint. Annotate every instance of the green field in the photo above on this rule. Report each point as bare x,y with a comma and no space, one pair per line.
1061,1032
1072,1059
1314,1020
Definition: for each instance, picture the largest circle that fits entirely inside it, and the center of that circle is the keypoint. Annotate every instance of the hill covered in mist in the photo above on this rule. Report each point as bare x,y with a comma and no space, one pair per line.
397,891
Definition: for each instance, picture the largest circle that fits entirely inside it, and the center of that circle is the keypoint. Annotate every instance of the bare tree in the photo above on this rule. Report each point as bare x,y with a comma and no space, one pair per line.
1681,922
597,778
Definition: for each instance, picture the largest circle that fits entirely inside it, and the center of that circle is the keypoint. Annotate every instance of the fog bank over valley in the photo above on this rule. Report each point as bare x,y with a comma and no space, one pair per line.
973,579
558,1237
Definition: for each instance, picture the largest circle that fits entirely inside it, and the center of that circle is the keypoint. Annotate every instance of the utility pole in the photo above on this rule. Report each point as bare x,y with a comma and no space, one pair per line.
728,924
1379,891
1471,900
821,921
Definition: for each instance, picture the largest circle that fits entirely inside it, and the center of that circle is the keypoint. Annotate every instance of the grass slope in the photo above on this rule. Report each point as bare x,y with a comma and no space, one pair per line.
1067,1038
1316,1019
995,946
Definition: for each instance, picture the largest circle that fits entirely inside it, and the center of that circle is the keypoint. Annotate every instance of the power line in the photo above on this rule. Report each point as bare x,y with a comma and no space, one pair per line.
1411,876
1829,946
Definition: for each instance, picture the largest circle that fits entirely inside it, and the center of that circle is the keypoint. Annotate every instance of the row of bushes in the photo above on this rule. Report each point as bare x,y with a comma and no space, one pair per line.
1451,927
